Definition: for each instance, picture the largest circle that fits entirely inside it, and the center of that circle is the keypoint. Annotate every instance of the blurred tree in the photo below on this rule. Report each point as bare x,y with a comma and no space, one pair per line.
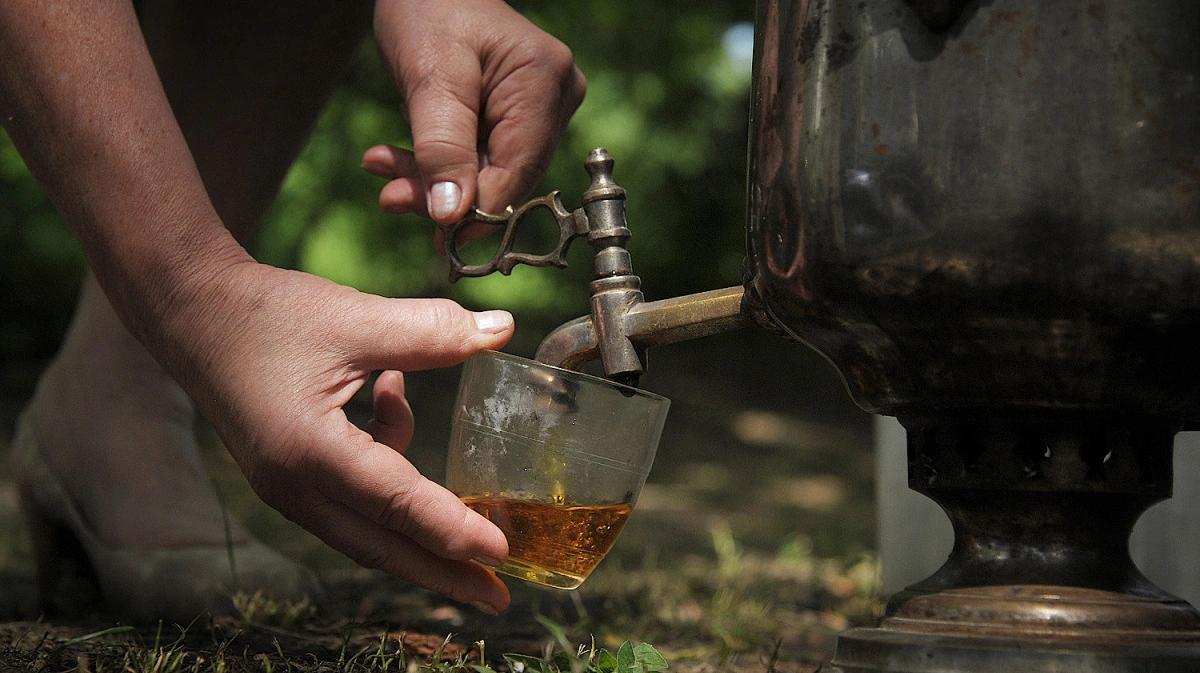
668,90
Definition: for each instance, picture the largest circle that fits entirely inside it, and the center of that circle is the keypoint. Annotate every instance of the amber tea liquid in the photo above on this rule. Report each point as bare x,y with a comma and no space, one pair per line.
552,544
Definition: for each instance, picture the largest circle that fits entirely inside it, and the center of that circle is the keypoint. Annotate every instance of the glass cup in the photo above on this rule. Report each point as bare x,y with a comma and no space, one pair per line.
555,458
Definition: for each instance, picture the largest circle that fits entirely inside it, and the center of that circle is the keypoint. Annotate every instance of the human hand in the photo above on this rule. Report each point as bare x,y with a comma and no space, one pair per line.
487,94
275,393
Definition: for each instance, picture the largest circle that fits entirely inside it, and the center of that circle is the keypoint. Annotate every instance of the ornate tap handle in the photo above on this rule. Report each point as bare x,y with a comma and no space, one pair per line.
570,226
615,290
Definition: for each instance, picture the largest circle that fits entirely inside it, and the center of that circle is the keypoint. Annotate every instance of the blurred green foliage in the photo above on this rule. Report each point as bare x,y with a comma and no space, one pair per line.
666,96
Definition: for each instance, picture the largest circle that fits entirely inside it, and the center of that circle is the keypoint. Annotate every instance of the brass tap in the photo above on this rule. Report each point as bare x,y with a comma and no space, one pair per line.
621,324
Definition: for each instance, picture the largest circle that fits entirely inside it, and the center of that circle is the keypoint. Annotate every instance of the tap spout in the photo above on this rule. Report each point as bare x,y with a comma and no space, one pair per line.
647,324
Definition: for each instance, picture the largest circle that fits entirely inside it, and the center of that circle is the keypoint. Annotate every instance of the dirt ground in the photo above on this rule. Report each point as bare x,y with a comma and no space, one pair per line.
751,545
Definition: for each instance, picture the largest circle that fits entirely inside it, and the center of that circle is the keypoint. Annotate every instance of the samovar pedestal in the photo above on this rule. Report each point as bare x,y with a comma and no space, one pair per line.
1039,579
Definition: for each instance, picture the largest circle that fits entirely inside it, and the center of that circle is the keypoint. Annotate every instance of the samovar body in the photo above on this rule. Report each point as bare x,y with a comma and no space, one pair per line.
997,204
986,215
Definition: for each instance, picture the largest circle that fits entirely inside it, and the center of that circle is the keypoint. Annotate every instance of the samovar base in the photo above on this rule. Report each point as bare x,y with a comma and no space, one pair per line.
1039,579
1030,629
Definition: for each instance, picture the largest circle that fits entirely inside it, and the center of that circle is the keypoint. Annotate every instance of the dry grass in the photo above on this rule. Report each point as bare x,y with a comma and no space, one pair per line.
729,611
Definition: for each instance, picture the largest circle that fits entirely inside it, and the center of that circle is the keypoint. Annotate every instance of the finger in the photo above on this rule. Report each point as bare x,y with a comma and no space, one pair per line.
373,546
386,490
387,161
415,334
523,135
369,502
404,193
443,110
393,420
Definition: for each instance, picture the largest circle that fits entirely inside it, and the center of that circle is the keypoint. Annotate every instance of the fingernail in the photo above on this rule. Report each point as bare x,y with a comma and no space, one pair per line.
489,562
485,608
493,322
443,199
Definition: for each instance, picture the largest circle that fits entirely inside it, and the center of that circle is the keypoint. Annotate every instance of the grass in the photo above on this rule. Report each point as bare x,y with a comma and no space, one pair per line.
257,608
122,648
737,602
106,650
729,610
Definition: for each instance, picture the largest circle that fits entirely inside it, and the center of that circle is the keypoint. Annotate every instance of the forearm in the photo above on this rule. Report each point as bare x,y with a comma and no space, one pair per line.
80,98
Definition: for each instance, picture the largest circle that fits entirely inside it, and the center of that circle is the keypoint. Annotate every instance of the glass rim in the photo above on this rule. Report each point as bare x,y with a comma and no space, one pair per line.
487,352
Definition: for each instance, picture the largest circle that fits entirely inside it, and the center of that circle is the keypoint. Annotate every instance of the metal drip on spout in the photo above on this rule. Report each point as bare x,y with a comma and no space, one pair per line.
621,324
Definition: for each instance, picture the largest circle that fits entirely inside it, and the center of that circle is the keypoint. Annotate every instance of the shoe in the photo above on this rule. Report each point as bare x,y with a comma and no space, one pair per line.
177,583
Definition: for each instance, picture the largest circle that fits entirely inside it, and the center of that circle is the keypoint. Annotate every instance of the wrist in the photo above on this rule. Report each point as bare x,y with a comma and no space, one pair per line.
169,290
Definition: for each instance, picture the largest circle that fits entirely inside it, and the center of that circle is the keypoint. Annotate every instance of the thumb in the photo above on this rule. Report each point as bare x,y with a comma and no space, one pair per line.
443,111
414,334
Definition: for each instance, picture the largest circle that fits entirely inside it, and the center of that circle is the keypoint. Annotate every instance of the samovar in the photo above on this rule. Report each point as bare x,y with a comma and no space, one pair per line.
986,215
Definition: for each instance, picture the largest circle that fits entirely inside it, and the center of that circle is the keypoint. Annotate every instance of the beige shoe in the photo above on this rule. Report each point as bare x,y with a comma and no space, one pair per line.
176,583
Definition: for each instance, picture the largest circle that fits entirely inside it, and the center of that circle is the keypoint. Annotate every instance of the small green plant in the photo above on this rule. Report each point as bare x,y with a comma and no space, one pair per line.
630,658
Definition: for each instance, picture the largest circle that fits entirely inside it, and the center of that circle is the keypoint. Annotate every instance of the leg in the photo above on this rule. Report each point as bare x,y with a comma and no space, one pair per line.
247,83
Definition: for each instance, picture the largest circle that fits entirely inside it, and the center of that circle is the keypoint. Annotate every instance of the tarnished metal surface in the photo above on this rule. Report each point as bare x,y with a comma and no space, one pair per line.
939,14
888,651
1039,579
1004,212
647,324
1039,500
987,216
1060,614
